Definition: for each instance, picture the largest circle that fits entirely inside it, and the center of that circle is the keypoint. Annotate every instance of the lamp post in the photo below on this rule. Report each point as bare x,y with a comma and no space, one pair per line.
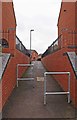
30,42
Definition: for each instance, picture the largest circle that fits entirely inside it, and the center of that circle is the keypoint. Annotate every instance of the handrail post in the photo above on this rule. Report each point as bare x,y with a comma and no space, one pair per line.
69,87
44,89
17,75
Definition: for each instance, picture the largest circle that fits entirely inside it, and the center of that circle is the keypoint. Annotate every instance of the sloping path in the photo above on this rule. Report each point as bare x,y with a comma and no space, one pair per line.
26,101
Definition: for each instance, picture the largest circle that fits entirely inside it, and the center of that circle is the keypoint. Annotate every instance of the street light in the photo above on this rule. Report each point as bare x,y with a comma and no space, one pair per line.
30,42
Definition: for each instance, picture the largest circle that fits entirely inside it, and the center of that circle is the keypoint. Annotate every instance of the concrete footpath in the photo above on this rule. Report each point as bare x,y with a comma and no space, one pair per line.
26,101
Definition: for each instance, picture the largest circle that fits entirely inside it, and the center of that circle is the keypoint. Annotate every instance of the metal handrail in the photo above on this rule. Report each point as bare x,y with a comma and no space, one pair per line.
21,47
56,45
22,65
56,93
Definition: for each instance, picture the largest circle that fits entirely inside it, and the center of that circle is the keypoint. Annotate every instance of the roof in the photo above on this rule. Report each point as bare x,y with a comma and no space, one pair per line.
32,50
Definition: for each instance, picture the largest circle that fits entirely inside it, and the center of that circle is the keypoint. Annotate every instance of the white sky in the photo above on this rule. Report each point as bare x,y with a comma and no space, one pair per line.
40,15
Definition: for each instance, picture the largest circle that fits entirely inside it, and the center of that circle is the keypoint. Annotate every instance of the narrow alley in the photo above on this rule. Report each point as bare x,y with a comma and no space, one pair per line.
38,59
27,100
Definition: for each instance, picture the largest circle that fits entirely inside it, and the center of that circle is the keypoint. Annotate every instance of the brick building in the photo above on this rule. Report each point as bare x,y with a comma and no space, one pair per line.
67,24
63,57
34,55
13,51
8,29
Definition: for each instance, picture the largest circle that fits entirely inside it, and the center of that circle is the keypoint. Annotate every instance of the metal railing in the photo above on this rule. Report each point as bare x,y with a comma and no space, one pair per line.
21,47
65,40
56,45
26,79
56,93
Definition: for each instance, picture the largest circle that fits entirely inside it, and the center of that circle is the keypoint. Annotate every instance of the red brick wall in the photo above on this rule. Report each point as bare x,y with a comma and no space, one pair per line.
67,25
67,21
8,16
76,41
58,62
76,22
8,25
9,77
8,32
67,18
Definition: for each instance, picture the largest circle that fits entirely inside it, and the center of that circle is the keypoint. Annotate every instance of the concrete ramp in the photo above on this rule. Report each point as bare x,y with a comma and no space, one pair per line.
26,101
4,58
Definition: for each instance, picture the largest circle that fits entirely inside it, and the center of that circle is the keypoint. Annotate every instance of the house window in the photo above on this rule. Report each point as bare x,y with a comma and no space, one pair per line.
4,43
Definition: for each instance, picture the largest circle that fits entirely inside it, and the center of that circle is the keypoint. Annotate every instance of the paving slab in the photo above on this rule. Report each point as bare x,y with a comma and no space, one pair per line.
27,101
